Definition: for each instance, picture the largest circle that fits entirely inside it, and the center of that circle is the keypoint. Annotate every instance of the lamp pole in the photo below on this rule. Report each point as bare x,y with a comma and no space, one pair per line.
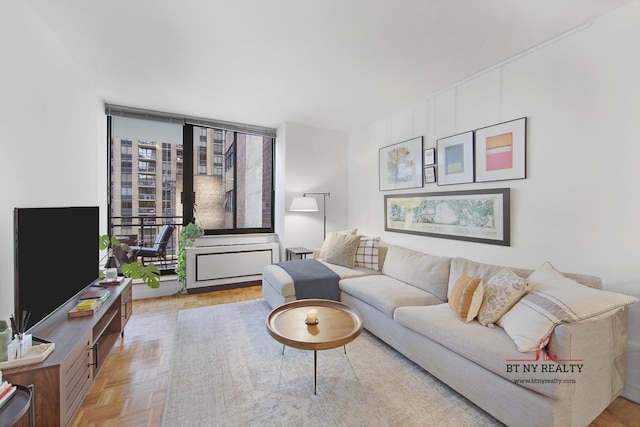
324,208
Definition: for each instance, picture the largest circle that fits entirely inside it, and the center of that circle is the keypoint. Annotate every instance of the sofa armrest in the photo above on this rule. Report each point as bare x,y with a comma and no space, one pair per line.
600,346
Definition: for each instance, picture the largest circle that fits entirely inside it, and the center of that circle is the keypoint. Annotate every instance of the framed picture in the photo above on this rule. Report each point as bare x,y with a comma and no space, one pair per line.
429,174
501,151
401,165
430,156
481,216
455,159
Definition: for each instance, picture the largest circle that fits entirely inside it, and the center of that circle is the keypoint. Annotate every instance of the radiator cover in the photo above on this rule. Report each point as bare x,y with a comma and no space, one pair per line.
216,265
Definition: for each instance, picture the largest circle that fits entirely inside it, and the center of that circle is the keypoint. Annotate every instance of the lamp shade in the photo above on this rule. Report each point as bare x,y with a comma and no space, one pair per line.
304,204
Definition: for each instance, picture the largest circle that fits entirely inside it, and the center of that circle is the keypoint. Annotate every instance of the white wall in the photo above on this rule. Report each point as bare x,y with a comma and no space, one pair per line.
579,205
52,134
315,161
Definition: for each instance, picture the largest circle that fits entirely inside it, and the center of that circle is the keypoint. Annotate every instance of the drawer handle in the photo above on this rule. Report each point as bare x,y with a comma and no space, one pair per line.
95,355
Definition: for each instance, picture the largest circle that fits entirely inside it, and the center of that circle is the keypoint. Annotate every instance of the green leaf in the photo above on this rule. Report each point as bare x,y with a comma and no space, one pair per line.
115,242
149,274
103,242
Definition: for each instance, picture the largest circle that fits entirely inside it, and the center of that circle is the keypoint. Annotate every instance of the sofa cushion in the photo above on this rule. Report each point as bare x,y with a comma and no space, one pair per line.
368,253
501,292
555,299
490,348
386,293
466,297
341,249
427,272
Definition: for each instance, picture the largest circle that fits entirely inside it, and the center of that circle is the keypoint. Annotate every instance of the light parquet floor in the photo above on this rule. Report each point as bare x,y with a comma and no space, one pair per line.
131,387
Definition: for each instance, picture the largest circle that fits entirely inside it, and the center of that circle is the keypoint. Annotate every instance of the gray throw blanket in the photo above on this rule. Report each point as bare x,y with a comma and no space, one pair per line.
312,279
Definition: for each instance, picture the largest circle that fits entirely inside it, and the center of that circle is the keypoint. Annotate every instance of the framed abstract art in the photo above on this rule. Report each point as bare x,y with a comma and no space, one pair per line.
501,151
455,159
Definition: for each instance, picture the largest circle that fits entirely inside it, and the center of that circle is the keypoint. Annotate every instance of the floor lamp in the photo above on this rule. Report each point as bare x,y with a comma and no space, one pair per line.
309,204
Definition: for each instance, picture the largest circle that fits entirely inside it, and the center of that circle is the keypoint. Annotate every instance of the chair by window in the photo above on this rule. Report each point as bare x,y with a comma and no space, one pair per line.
159,248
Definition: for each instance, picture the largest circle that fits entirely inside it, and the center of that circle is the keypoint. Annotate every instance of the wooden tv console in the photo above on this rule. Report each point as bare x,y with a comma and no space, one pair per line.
82,344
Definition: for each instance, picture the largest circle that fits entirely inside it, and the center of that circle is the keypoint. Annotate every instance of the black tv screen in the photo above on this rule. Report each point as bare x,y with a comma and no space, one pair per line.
56,256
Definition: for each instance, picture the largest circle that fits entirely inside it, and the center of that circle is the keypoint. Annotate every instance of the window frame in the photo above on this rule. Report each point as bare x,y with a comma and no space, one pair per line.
188,158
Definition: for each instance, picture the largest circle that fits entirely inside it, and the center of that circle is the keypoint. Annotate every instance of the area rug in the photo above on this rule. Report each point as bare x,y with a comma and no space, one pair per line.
228,371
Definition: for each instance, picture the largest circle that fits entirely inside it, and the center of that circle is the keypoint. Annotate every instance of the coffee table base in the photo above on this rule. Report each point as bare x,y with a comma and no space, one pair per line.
315,367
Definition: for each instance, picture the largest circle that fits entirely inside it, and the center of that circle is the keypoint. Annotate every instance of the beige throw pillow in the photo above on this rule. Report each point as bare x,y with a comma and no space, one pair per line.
341,249
501,292
325,244
466,297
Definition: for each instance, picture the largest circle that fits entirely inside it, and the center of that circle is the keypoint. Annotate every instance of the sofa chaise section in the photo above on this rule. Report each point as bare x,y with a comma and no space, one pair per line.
278,287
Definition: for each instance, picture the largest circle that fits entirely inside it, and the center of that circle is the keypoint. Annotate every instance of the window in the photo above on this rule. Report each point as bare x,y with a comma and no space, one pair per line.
243,175
202,160
228,201
221,176
228,159
146,153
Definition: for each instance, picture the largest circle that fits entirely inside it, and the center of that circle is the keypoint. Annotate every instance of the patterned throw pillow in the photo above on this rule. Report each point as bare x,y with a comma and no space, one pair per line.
466,297
341,250
367,254
501,292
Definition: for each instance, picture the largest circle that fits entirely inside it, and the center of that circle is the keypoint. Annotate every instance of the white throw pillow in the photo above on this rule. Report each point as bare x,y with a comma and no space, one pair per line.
555,299
367,255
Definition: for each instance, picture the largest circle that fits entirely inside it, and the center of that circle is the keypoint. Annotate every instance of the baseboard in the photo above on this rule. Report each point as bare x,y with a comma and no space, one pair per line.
632,393
632,390
224,287
167,287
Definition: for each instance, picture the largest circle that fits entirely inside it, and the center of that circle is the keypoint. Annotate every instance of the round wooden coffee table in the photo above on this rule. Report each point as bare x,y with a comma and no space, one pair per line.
338,324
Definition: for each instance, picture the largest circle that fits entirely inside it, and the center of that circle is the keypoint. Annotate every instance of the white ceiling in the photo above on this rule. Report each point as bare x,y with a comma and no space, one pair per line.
335,64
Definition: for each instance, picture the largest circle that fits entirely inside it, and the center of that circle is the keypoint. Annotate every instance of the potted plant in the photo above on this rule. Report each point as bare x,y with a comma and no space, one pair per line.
188,236
134,269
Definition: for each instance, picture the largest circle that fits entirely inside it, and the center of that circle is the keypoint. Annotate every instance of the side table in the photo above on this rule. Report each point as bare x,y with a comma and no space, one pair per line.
17,406
298,252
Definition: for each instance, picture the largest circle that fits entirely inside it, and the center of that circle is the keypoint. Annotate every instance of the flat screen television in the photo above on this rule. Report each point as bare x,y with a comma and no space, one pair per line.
56,256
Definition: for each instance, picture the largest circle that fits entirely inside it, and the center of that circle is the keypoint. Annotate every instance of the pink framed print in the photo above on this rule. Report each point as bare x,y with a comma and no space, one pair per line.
501,151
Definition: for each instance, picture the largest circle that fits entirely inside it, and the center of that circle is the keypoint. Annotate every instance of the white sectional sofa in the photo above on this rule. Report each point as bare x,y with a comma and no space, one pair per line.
569,382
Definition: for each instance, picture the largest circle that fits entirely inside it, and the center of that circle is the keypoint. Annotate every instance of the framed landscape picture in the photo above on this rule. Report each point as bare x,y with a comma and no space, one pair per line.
401,165
455,159
481,216
501,151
